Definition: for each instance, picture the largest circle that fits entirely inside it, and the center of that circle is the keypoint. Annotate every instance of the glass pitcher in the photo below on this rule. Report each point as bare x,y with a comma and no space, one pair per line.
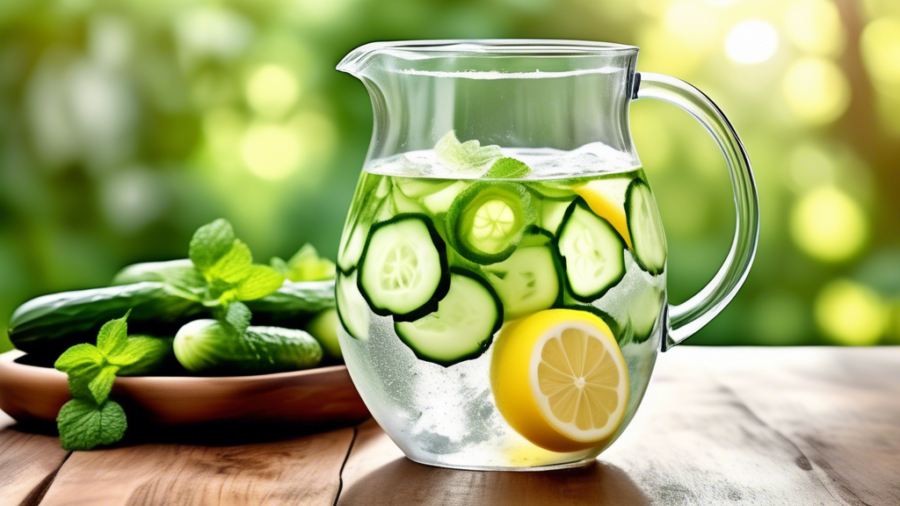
502,270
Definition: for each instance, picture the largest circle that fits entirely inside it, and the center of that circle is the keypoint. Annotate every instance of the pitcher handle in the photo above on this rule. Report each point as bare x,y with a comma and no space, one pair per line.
687,318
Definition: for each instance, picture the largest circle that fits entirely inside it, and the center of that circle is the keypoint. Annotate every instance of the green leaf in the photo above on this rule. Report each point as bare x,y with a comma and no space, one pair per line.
260,282
113,334
468,156
210,243
305,265
235,318
79,357
101,385
135,350
80,380
507,168
84,425
234,266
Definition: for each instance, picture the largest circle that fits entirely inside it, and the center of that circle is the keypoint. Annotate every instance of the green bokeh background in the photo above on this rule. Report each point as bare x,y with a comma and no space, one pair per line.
126,125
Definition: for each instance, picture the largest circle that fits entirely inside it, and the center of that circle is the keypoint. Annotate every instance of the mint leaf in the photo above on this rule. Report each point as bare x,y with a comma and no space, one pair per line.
233,266
468,156
135,349
305,265
210,243
507,168
101,385
260,282
80,356
235,318
80,381
113,334
84,425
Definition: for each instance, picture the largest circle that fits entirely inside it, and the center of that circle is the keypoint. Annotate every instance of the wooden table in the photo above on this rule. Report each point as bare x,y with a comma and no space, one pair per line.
719,426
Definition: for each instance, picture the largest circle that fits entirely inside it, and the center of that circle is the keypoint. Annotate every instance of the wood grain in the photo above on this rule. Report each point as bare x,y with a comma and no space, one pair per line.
718,426
28,463
303,471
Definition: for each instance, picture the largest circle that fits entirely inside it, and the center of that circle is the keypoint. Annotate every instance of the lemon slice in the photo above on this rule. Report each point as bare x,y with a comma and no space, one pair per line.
560,380
606,197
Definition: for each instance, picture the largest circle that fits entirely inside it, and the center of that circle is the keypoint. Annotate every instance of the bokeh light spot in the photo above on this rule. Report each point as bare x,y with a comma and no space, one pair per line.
272,90
829,225
809,166
695,24
270,151
814,26
880,47
752,41
816,90
851,313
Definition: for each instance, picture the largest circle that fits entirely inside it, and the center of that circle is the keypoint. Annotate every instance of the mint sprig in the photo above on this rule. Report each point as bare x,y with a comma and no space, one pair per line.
507,168
91,419
226,265
469,156
305,265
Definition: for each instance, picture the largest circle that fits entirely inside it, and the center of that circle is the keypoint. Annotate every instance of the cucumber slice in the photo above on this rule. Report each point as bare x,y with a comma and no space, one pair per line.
552,213
370,194
403,269
592,251
463,326
353,311
440,202
418,187
645,228
550,190
643,312
400,203
487,220
530,279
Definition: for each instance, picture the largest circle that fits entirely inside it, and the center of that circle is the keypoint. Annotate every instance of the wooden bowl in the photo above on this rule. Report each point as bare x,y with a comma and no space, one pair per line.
321,397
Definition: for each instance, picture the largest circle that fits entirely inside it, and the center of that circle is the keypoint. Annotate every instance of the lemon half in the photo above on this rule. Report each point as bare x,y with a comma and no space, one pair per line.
559,379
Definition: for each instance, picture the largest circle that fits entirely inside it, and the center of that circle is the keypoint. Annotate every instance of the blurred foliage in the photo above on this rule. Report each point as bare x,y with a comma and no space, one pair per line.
125,125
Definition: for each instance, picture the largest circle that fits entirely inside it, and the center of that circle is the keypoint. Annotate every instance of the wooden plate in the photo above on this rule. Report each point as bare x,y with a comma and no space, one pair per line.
324,396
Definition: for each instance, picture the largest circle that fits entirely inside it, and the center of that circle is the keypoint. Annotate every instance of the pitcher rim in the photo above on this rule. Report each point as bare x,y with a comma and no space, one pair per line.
421,49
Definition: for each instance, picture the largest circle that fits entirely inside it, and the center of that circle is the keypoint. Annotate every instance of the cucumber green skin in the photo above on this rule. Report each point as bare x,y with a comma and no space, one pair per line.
293,304
260,350
50,324
455,220
323,327
599,293
443,287
155,271
637,257
484,345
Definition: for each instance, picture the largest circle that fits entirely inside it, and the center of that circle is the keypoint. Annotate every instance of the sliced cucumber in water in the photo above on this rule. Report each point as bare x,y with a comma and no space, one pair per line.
353,310
593,252
418,187
463,325
400,203
552,213
403,269
643,312
530,279
645,228
370,193
440,202
487,220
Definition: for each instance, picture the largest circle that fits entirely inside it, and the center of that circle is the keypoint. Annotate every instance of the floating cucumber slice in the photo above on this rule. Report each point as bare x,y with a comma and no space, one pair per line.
353,311
440,202
549,190
463,325
487,220
418,187
400,203
645,228
403,269
592,252
370,194
530,279
643,312
552,213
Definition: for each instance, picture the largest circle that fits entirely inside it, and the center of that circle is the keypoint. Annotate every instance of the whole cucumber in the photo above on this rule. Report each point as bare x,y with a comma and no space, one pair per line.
50,324
205,347
157,271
